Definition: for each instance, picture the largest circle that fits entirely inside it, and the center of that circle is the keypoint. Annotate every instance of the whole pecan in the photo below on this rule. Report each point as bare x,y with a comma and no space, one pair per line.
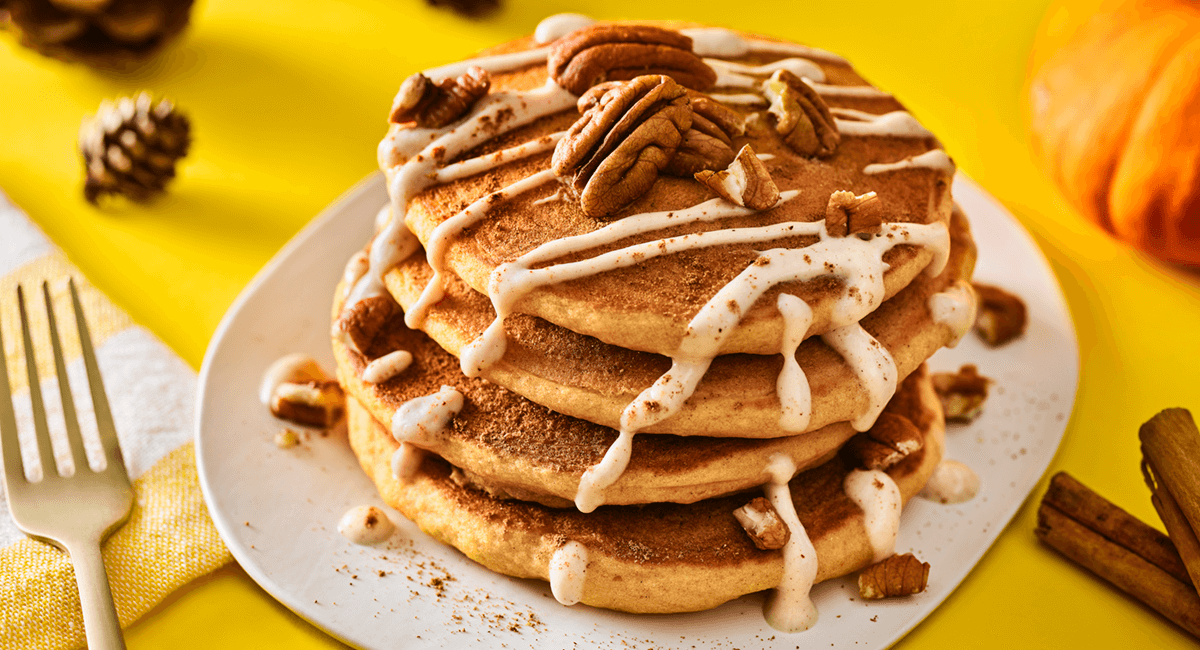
600,53
802,117
614,152
434,105
709,143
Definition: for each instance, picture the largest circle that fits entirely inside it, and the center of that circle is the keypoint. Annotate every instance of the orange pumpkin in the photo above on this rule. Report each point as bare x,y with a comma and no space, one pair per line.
1114,100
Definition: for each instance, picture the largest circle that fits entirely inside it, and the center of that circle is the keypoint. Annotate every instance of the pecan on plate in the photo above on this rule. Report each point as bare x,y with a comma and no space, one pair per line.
890,440
614,152
847,214
745,182
963,393
898,575
600,53
1002,316
709,143
434,105
801,116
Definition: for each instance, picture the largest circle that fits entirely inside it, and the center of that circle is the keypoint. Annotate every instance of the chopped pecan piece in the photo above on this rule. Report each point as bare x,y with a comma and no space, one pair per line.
802,117
890,440
600,53
434,105
312,403
1002,316
360,324
898,575
614,152
709,143
762,523
847,214
962,393
745,182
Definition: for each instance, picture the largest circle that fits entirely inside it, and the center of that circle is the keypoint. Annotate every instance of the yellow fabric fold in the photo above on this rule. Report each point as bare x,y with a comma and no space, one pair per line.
169,541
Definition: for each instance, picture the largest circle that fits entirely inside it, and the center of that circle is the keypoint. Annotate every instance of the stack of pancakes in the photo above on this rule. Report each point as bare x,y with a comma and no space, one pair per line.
633,391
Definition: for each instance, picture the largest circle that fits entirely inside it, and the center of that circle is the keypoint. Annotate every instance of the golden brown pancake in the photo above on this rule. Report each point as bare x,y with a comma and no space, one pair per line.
629,307
581,376
657,558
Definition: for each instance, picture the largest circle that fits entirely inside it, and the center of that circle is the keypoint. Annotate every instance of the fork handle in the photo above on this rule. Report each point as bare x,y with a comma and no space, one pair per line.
100,621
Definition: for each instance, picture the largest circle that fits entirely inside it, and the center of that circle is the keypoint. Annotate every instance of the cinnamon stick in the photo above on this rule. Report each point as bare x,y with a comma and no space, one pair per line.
1171,465
1118,547
1127,570
1083,505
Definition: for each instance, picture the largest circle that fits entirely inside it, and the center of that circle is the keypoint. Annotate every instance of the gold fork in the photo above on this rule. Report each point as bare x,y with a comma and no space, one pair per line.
78,512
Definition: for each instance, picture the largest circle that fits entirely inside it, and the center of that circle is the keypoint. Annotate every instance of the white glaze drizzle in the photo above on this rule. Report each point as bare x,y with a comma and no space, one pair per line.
726,44
740,75
365,525
386,367
479,164
557,26
765,156
952,482
865,92
878,496
558,195
493,64
356,267
423,420
795,395
291,368
896,124
568,572
406,461
789,608
955,308
934,159
439,241
382,217
411,156
747,99
871,363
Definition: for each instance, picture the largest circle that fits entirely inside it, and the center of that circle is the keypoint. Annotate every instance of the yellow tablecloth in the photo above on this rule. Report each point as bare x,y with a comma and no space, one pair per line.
289,99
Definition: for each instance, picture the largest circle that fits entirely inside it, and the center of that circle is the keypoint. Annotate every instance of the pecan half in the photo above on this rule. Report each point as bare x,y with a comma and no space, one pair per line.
898,575
890,440
434,105
963,393
614,152
709,143
801,116
745,182
1002,316
761,522
312,403
847,214
599,53
360,324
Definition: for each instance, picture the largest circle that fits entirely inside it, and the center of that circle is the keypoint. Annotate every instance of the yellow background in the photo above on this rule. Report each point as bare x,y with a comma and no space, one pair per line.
288,100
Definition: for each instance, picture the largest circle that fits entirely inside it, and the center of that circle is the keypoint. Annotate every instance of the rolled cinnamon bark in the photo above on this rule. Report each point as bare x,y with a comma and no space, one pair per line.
1171,465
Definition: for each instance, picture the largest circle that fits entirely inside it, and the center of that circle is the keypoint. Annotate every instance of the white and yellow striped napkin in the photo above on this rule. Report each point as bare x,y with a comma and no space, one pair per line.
169,539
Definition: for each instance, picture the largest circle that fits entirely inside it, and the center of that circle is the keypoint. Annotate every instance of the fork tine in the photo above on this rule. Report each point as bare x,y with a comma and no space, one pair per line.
104,422
70,418
10,445
42,432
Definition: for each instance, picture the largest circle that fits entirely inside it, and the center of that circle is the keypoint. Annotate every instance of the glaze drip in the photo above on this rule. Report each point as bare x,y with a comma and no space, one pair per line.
789,608
878,496
568,572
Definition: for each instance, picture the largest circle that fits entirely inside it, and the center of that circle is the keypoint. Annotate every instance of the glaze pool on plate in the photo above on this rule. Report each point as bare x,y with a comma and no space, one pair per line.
277,509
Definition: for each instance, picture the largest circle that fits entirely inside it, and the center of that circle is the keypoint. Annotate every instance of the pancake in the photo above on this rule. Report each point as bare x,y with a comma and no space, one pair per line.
628,307
580,376
658,558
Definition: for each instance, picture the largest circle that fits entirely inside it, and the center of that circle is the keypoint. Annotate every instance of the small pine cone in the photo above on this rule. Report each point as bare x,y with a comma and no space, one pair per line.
898,575
107,34
130,147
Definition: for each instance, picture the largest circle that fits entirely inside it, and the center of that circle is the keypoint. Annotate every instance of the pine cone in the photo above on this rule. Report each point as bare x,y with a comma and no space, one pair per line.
110,34
130,147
